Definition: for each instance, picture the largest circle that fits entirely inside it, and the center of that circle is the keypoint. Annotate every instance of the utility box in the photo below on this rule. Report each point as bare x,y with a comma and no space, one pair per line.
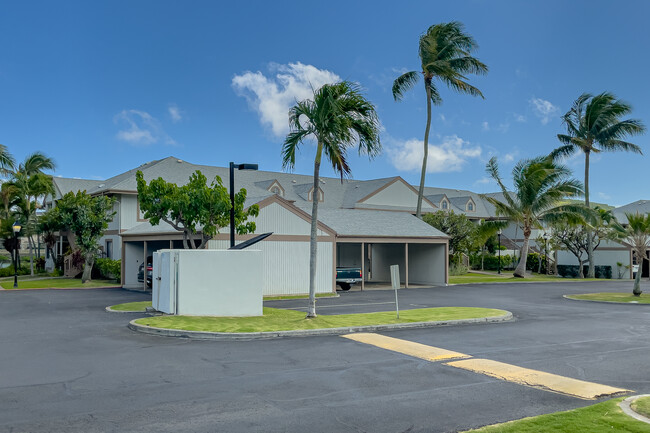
208,282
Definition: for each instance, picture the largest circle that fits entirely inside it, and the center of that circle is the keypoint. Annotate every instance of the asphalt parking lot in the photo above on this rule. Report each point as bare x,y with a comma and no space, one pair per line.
67,365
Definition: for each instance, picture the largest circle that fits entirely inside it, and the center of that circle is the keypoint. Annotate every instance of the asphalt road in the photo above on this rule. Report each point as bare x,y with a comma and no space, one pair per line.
68,366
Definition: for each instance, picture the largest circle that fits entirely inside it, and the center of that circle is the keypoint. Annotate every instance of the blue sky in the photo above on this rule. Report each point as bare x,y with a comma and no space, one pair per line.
106,86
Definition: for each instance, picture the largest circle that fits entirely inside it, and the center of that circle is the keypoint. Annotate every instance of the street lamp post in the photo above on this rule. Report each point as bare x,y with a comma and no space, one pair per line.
232,195
16,228
499,235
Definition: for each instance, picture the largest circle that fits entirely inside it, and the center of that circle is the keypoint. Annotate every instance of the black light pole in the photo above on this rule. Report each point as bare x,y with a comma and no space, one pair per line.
499,235
232,196
16,228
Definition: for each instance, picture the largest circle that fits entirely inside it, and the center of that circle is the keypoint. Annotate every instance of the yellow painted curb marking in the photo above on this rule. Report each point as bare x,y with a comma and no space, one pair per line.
417,350
537,379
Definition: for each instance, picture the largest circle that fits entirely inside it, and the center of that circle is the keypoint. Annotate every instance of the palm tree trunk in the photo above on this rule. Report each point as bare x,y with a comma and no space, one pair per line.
418,209
313,244
591,272
520,272
637,280
30,242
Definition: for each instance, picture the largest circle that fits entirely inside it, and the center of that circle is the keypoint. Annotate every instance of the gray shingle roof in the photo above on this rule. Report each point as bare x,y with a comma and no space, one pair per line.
639,206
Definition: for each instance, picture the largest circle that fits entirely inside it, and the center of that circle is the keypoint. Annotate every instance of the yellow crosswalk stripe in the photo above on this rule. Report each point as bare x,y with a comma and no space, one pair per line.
417,350
537,379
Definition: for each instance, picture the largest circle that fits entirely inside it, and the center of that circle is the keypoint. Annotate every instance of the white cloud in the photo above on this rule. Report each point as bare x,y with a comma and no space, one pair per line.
520,118
509,157
485,126
272,96
140,128
450,155
543,109
484,181
604,196
174,113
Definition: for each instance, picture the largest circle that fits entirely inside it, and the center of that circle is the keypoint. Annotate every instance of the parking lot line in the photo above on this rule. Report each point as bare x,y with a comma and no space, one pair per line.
537,379
417,350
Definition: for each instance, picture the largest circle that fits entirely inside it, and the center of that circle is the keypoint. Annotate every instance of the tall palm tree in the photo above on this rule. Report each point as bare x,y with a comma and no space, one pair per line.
445,54
594,125
539,186
7,161
337,118
637,234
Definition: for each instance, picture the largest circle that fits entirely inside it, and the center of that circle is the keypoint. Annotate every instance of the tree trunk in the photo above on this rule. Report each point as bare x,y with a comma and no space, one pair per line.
637,280
581,273
520,272
591,272
482,257
313,244
418,209
88,267
30,242
539,263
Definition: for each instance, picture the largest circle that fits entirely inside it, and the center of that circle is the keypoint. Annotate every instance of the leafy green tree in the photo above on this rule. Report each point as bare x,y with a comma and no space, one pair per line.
539,186
637,234
337,118
458,227
197,209
87,217
594,125
484,236
575,237
445,55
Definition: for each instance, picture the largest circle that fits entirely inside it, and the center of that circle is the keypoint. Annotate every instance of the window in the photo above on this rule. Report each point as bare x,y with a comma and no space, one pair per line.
275,190
445,205
109,249
470,207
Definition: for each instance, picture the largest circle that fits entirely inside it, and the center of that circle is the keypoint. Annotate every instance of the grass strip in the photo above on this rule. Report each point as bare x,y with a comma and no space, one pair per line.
598,418
135,307
281,298
508,278
58,283
289,320
641,406
623,298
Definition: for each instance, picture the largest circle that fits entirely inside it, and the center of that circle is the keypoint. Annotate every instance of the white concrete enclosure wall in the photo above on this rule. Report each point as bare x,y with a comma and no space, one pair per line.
285,266
209,282
427,264
605,257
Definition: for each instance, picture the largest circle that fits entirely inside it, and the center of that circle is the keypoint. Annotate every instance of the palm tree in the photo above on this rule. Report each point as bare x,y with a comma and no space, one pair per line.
539,186
337,118
445,54
637,234
7,161
594,125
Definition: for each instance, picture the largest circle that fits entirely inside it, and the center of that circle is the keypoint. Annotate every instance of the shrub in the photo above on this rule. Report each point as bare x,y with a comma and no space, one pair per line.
490,262
455,269
572,271
109,269
9,271
532,262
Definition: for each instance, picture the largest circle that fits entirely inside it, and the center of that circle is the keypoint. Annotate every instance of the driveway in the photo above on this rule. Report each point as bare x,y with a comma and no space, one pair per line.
68,366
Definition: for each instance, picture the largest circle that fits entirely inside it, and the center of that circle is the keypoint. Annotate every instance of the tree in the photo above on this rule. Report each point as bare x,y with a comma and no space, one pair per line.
539,185
484,236
458,227
338,117
636,233
7,161
594,125
193,205
445,55
575,239
87,217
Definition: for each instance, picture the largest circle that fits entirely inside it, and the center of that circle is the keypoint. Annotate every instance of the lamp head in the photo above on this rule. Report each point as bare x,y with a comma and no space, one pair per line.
16,227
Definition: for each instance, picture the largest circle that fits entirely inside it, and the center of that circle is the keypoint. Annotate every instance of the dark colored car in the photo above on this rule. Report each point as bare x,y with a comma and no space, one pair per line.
149,272
346,277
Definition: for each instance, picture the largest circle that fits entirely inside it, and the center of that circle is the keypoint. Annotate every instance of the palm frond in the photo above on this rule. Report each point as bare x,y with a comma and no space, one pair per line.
404,83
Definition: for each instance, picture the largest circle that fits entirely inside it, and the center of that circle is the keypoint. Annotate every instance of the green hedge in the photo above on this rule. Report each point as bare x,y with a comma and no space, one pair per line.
109,269
490,262
9,271
573,271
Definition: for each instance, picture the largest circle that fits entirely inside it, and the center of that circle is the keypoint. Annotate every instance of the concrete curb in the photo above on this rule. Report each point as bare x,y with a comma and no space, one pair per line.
625,406
603,302
110,310
225,336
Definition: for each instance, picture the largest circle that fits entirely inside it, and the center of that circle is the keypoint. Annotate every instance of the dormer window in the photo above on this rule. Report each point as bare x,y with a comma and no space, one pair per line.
321,195
445,205
471,207
276,188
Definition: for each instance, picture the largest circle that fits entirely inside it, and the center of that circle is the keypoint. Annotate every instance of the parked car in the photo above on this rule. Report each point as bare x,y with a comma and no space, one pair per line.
149,272
346,277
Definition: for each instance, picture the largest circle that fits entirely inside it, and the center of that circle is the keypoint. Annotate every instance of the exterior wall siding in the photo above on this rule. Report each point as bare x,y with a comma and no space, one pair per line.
397,194
129,211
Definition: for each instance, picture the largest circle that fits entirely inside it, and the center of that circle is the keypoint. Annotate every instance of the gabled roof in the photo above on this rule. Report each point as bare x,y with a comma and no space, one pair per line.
639,206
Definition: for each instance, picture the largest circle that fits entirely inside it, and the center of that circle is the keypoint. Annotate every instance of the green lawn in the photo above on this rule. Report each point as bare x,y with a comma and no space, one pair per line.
288,320
624,298
280,298
642,406
598,418
58,283
136,307
506,277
